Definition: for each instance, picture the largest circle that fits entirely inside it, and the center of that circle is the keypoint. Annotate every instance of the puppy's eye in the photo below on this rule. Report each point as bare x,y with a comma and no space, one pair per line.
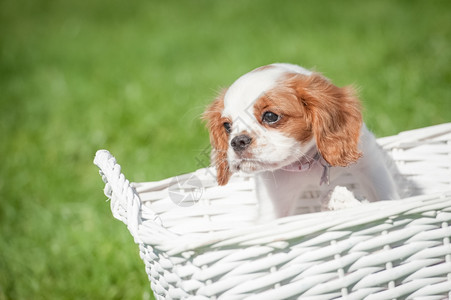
270,117
227,127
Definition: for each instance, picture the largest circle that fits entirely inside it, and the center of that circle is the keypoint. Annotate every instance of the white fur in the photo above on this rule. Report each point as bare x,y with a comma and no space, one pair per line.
278,189
339,198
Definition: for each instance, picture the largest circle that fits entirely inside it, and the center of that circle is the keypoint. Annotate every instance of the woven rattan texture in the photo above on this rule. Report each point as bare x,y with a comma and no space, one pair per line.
212,249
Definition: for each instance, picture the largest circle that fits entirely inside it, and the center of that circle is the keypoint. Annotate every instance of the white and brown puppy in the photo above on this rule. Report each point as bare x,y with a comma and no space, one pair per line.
293,128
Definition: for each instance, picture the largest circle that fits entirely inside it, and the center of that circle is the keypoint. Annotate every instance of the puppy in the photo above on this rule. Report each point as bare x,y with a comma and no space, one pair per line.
293,128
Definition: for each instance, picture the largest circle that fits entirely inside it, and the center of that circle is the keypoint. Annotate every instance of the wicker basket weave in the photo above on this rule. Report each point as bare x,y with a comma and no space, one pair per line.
199,240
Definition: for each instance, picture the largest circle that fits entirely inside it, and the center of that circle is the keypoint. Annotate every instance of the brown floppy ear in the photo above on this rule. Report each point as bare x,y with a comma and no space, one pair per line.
336,118
218,139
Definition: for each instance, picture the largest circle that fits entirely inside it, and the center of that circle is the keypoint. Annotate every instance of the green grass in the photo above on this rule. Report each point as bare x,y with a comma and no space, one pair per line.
133,77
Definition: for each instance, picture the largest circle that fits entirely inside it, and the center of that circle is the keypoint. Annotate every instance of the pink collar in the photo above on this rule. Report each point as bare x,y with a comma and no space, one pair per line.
307,161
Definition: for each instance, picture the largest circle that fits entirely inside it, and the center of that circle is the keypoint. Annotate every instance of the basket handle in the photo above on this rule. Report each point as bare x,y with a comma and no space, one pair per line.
125,203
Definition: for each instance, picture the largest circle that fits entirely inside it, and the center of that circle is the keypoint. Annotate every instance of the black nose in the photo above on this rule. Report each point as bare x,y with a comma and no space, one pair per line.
241,142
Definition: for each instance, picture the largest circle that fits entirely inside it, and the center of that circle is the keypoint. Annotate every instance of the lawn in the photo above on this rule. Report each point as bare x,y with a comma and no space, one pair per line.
134,76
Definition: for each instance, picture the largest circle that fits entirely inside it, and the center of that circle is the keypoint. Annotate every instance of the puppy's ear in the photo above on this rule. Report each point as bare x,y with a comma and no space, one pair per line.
218,138
336,118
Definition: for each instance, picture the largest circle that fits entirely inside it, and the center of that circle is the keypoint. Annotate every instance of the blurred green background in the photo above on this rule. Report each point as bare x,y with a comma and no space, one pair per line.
134,76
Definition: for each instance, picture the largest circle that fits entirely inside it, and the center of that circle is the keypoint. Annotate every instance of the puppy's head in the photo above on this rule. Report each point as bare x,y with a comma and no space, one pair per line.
272,116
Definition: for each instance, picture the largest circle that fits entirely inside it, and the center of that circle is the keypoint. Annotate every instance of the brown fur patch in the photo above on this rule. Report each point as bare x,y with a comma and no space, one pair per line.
335,116
218,138
294,120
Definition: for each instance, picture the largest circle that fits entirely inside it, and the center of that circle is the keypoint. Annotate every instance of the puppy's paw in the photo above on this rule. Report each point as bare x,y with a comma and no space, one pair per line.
338,198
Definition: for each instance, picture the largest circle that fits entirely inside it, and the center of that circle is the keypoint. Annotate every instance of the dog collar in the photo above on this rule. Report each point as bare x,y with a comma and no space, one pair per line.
306,162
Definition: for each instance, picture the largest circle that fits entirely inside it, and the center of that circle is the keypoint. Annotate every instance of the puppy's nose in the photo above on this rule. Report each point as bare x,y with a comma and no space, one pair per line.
240,143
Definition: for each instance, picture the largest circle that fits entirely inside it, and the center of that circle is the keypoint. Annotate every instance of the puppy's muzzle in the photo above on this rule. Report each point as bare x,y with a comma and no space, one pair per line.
240,143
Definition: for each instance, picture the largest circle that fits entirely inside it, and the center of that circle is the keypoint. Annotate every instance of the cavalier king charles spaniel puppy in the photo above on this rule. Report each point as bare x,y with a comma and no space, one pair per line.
293,128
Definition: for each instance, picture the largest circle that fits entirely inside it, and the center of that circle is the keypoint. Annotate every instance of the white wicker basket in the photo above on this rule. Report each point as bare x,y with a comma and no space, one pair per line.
210,248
